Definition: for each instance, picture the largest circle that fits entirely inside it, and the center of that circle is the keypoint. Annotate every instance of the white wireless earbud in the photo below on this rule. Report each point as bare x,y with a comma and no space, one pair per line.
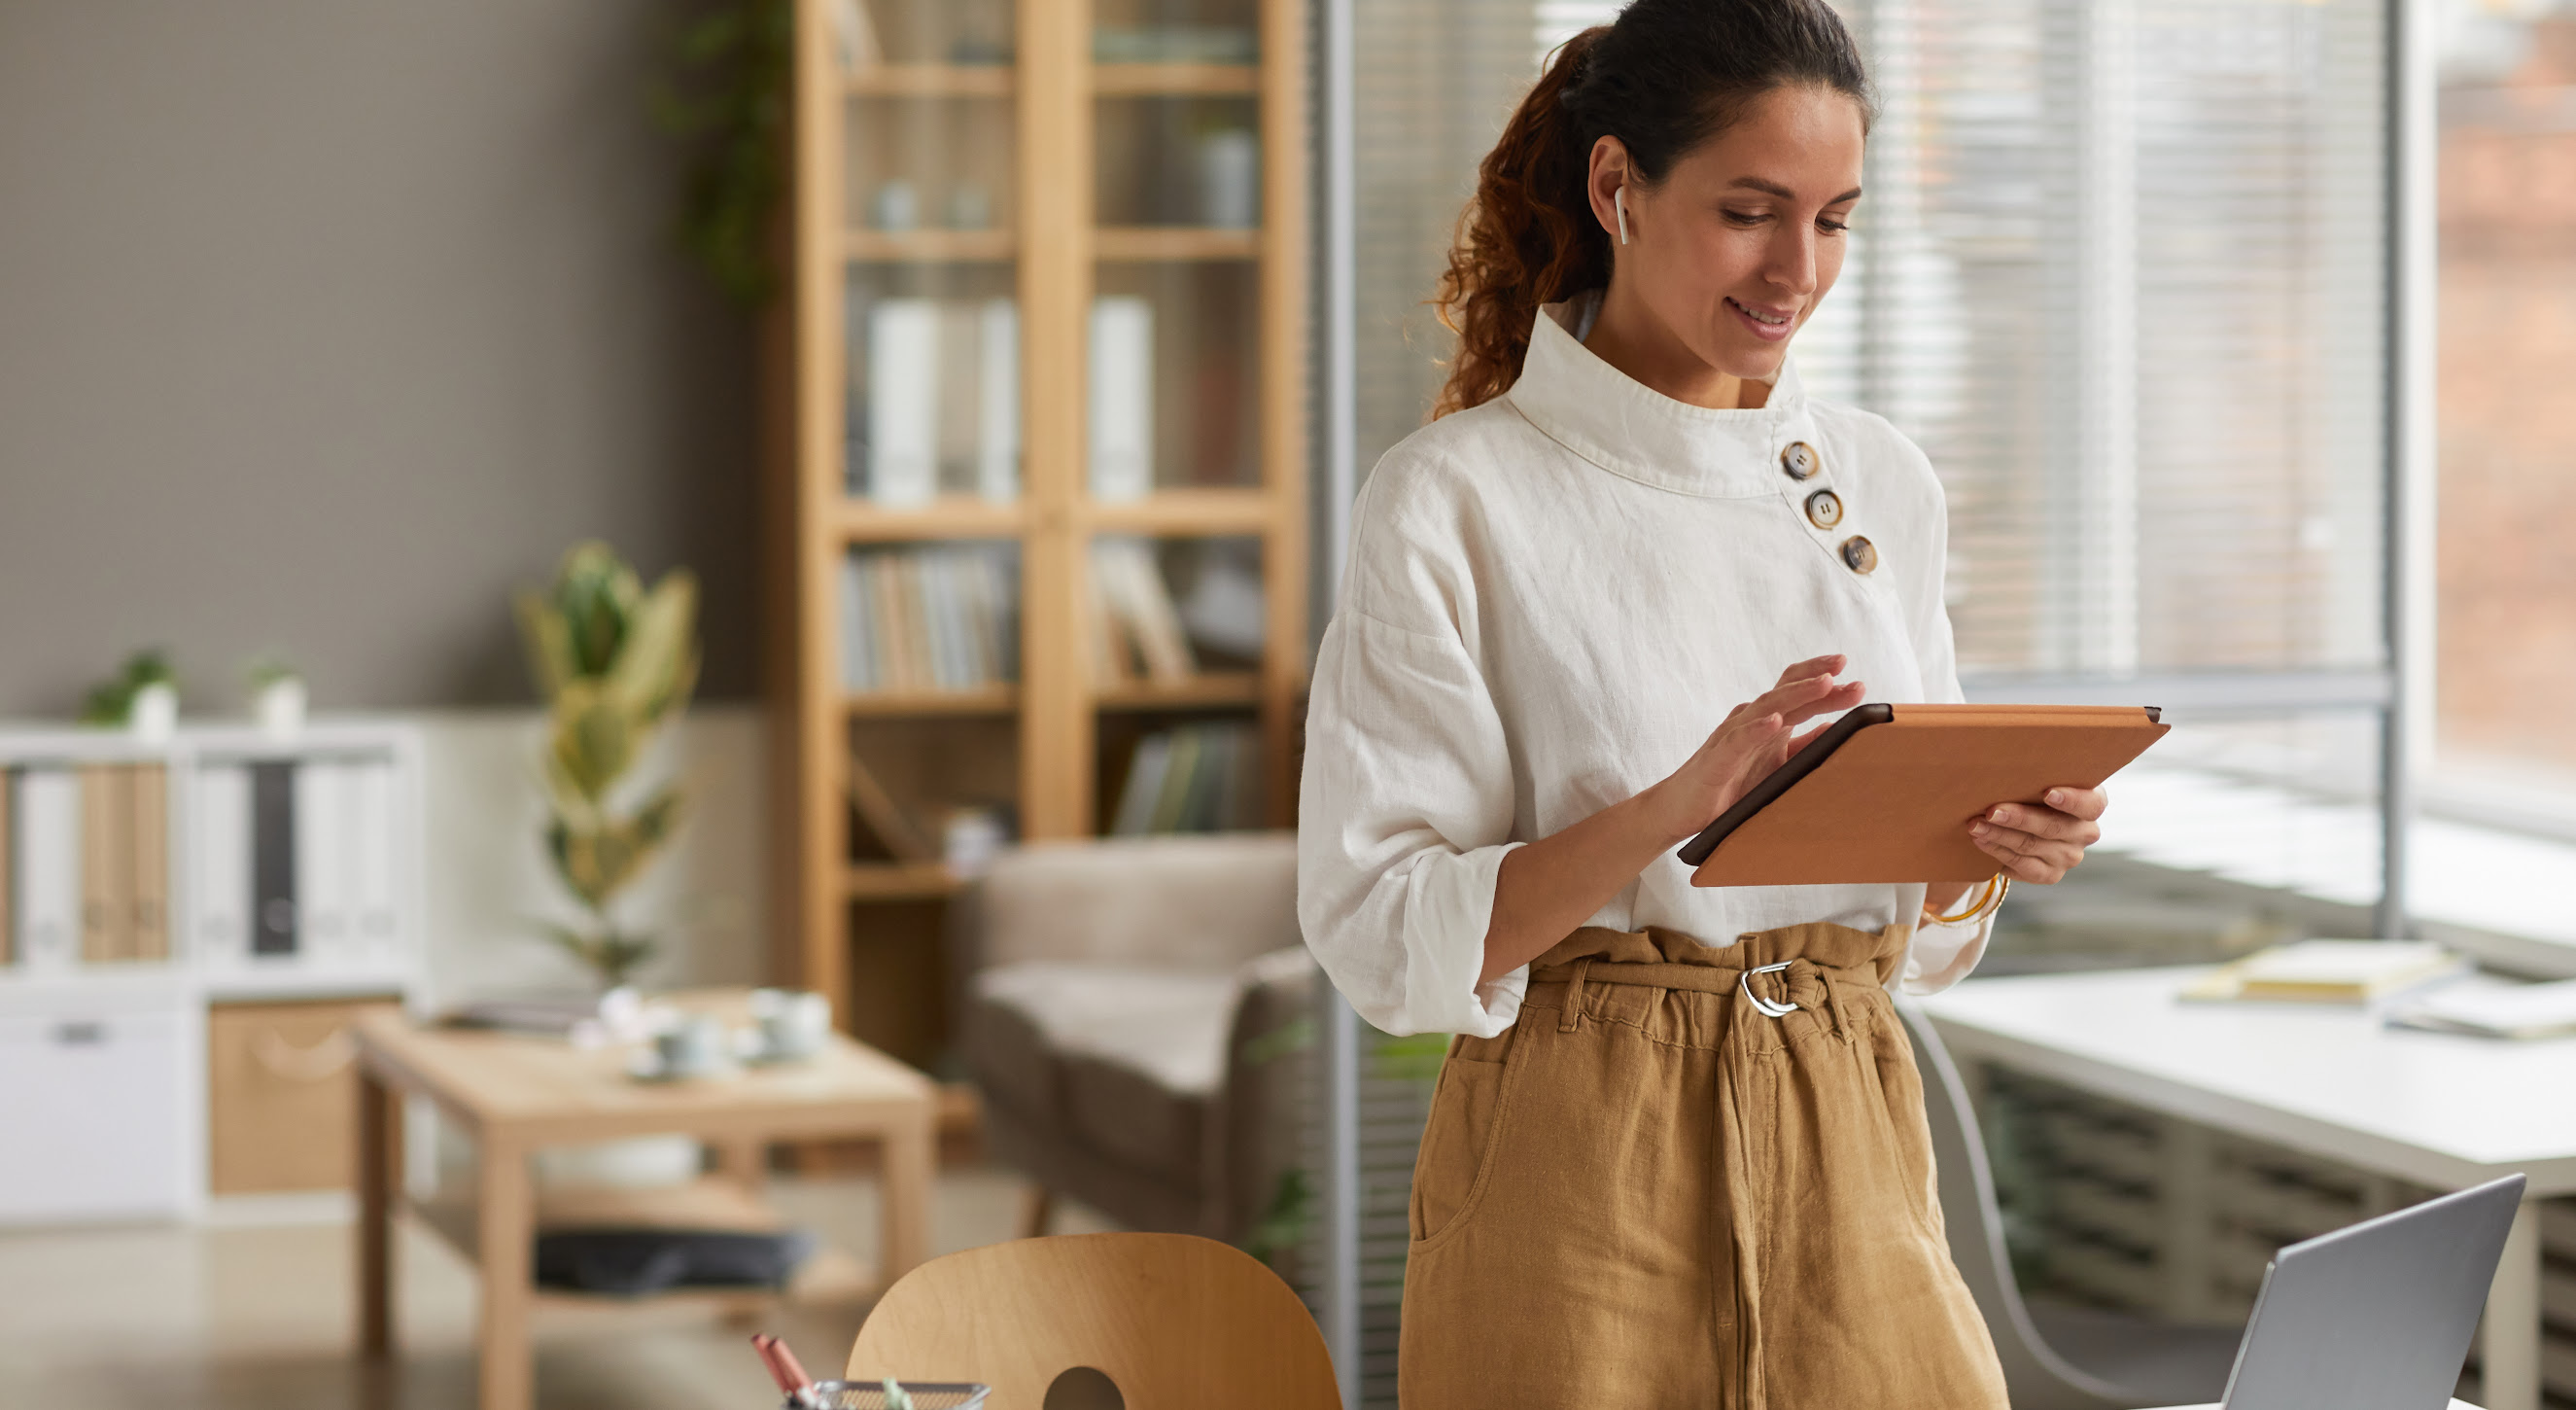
1619,202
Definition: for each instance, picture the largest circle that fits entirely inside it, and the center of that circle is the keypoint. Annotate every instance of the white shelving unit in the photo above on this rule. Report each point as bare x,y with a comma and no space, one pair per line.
104,1065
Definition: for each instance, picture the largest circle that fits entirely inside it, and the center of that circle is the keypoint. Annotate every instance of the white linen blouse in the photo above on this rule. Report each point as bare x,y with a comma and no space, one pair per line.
1551,600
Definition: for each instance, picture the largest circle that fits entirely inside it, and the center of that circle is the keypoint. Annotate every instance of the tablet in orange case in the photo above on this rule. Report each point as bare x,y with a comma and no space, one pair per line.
1886,793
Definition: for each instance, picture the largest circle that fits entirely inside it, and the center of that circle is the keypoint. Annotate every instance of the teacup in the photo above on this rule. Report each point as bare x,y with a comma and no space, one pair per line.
691,1047
793,1024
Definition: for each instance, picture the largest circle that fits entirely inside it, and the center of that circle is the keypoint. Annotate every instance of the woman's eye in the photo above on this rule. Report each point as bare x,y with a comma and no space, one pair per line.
1745,217
1832,227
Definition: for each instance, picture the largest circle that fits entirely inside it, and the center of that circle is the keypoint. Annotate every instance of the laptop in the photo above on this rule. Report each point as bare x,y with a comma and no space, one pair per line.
2377,1316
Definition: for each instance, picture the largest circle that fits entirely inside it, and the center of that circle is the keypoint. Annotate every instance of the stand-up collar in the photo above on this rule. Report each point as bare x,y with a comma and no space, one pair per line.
1628,429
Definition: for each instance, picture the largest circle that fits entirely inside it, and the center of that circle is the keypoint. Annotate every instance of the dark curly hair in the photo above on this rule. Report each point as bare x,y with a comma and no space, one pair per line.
1666,76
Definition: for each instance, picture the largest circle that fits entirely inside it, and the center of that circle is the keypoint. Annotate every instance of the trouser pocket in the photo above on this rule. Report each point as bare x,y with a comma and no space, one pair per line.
1458,1140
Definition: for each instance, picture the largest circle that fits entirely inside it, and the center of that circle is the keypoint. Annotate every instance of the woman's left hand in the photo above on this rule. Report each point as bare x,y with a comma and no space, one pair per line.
2042,844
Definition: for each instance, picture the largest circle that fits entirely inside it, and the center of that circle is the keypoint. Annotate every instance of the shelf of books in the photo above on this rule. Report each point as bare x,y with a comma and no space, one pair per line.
1043,456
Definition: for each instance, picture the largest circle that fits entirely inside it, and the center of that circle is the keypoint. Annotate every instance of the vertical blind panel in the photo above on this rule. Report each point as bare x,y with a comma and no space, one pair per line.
2120,271
2122,276
1434,82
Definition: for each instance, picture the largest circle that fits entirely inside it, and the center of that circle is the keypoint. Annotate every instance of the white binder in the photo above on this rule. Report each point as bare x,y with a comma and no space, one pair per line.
1122,398
48,867
903,401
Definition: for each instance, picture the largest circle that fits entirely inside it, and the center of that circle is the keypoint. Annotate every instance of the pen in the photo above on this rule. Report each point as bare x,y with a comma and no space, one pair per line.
783,1367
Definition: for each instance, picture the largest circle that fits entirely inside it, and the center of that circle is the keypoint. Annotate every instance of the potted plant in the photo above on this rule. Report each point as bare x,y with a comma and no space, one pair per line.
142,697
277,697
616,664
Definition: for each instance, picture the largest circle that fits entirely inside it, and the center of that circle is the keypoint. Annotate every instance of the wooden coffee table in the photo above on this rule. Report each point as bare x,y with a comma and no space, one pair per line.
514,1094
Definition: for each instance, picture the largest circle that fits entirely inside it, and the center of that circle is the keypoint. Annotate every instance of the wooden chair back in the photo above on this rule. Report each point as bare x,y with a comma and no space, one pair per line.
1175,1321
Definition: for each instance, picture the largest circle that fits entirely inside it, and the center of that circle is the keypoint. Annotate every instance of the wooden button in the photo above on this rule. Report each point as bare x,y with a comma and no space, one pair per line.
1858,555
1824,509
1801,461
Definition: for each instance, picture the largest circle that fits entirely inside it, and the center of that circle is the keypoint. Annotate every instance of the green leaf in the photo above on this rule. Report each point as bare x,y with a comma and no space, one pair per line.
547,638
595,591
594,743
598,861
657,666
1288,1220
612,954
1414,1058
728,95
1294,1036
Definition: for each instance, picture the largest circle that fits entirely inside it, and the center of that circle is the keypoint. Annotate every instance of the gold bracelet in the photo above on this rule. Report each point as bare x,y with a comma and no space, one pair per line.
1997,886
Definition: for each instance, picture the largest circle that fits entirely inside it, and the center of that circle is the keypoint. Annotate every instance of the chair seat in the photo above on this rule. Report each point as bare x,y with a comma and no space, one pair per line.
1123,1059
2154,1360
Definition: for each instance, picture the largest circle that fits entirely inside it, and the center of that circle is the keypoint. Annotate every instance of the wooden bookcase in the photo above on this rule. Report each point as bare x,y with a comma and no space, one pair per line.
1081,164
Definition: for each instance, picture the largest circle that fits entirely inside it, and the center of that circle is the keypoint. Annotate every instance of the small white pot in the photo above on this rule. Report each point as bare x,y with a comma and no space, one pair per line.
153,714
279,707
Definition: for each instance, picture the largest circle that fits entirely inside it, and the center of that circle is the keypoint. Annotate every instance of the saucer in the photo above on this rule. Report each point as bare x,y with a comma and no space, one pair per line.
645,1066
751,1050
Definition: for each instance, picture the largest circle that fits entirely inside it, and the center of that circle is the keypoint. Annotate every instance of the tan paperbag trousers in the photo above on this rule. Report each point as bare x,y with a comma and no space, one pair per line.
1665,1186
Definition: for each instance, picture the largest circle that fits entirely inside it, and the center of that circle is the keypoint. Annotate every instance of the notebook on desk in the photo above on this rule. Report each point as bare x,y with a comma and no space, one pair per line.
2490,1007
2352,972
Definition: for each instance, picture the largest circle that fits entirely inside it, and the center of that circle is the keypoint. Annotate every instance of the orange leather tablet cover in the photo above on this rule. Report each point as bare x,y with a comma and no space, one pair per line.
1888,792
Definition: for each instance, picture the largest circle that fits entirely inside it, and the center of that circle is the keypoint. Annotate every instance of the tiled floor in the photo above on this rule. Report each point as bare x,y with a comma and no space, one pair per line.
259,1318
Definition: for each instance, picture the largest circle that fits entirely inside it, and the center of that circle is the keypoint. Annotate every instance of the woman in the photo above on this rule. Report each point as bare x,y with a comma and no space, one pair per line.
1638,1186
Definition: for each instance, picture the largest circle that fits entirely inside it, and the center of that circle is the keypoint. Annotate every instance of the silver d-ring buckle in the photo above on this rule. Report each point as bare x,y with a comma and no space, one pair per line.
1769,1009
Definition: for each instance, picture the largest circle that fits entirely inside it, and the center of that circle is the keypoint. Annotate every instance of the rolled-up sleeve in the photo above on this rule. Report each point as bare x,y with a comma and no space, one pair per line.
1942,955
1403,820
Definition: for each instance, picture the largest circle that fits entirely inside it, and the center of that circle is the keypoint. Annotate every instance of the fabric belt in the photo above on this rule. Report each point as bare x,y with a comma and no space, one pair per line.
1706,979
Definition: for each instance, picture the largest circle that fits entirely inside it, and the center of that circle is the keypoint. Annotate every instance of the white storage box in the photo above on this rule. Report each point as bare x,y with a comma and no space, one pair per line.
96,1118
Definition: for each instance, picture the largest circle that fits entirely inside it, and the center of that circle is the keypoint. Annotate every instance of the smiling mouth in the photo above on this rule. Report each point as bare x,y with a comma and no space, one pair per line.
1767,320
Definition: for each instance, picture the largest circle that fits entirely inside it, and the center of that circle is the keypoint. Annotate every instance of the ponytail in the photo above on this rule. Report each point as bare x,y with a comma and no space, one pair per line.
1664,77
1527,238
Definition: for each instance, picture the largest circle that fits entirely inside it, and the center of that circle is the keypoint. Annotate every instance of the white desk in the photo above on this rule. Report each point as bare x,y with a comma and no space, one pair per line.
2431,1108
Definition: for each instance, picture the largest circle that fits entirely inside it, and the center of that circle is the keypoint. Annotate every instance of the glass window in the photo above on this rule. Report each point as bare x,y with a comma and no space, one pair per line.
2506,498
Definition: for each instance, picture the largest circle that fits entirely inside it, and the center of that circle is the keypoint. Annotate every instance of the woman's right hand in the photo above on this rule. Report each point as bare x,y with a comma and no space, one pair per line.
1756,737
1546,888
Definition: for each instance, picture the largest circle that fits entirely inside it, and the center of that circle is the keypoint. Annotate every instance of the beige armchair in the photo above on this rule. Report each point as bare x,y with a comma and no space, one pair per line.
1116,1000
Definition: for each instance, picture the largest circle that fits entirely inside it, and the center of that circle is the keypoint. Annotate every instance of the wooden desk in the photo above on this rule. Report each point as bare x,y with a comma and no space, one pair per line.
514,1094
2431,1108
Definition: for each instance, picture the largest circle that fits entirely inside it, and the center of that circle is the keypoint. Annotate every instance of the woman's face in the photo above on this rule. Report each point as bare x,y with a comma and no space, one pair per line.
1734,249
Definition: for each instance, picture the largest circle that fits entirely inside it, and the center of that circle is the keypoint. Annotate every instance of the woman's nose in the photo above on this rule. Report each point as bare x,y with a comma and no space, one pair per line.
1792,265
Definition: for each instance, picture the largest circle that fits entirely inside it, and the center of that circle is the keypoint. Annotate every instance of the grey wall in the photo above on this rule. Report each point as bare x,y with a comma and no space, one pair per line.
325,323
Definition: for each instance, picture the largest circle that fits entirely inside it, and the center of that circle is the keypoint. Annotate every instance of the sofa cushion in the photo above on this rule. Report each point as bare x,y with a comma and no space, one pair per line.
1190,902
1128,1059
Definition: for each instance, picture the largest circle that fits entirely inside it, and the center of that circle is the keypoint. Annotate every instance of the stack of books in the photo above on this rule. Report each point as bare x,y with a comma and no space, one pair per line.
1195,778
930,619
1136,631
84,865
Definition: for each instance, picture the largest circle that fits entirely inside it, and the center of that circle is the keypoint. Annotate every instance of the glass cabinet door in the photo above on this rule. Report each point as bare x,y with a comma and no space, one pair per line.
933,345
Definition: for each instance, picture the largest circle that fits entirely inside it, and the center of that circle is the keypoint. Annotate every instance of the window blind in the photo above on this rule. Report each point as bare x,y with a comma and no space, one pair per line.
2120,272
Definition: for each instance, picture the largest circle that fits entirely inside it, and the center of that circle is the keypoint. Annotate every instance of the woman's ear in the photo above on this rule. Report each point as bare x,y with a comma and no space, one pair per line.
1608,177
